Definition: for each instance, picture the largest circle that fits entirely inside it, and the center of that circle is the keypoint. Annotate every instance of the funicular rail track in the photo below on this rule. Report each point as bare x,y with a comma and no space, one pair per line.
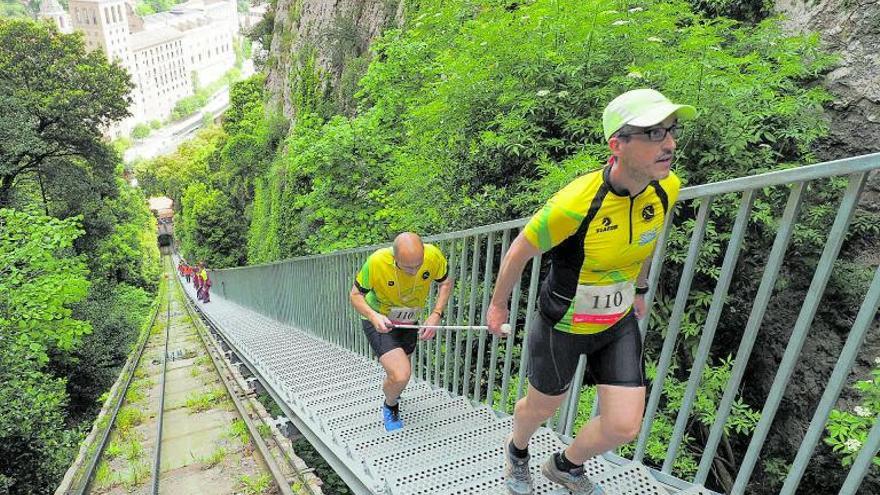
174,318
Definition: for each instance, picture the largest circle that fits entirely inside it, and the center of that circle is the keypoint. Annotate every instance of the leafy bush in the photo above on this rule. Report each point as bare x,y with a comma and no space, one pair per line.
476,113
41,279
848,429
140,131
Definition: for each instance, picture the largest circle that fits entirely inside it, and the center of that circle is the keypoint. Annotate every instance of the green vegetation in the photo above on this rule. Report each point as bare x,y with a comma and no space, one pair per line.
127,418
238,429
14,8
214,458
77,247
848,429
191,104
264,430
256,485
113,449
140,131
212,177
197,402
147,7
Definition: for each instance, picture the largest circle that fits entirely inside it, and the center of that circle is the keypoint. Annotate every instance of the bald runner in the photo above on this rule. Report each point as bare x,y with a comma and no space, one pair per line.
390,289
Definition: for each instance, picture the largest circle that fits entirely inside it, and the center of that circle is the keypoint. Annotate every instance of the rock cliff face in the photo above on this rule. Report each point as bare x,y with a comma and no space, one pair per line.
852,29
334,32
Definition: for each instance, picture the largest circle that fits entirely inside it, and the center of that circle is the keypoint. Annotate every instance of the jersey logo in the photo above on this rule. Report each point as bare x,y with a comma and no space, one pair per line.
425,275
391,283
607,225
648,212
647,237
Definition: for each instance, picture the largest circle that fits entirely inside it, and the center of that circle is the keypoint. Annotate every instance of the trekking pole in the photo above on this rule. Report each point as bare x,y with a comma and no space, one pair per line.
505,328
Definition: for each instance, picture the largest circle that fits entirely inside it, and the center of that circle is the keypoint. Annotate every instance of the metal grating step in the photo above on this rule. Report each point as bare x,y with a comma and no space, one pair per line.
334,410
438,453
368,415
464,421
334,395
631,479
478,435
696,490
319,380
414,419
543,445
462,470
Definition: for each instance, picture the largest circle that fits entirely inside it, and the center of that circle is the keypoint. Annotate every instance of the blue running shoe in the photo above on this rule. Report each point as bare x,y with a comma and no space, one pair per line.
391,418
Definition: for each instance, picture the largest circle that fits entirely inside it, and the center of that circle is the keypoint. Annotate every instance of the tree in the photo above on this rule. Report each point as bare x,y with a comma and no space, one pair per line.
211,231
57,98
40,280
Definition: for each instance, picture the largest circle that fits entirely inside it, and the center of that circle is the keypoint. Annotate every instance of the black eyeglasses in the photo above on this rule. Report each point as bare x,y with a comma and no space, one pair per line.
656,134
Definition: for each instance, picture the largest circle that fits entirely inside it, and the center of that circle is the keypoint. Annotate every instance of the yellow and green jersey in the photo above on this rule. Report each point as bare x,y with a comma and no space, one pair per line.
597,240
388,288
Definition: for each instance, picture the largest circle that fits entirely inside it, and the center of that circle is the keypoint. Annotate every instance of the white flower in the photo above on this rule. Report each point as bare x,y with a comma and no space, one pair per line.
634,75
419,24
562,94
604,12
636,9
655,39
862,411
438,14
484,43
543,93
852,445
877,360
619,23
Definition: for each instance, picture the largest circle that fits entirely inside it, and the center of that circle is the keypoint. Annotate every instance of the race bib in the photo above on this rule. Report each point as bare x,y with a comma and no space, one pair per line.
603,304
404,316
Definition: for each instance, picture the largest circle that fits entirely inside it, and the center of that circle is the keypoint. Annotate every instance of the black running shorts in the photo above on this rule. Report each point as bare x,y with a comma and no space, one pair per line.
404,338
614,356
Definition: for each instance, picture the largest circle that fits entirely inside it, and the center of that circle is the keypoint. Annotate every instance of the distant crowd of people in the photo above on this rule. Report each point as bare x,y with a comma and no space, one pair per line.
198,276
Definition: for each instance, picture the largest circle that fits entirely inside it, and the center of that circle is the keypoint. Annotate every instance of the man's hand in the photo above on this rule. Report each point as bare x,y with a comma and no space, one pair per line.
428,333
495,317
639,306
381,323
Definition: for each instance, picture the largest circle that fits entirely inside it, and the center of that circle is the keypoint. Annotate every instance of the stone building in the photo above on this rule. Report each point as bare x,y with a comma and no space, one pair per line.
167,54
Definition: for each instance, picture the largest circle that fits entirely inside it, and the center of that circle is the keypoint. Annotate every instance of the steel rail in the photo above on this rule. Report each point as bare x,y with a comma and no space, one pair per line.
131,366
157,459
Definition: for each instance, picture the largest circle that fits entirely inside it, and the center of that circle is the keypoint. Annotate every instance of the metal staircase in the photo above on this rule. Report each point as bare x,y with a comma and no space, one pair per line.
448,445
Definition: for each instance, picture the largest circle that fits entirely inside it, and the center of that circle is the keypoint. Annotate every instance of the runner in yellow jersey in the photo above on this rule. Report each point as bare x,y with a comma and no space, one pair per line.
392,288
599,232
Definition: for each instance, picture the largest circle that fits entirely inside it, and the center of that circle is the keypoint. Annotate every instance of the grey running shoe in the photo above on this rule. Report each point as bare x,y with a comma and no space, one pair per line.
516,472
575,480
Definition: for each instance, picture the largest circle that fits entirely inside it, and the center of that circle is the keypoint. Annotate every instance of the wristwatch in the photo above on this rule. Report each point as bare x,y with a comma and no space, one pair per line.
641,290
439,313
